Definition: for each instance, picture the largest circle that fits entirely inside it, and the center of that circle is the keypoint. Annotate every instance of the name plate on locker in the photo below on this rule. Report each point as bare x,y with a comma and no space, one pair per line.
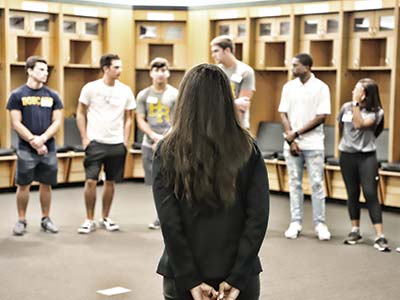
270,11
156,16
228,14
367,4
35,6
316,8
86,11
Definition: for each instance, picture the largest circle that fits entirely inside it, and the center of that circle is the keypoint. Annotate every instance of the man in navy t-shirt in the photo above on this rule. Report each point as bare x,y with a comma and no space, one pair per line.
36,114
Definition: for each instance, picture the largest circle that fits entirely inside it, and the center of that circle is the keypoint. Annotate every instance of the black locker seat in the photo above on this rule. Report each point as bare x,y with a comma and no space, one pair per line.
392,167
72,136
270,139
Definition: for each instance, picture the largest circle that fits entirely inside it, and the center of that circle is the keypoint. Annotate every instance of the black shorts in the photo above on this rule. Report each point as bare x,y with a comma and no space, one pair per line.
111,156
34,167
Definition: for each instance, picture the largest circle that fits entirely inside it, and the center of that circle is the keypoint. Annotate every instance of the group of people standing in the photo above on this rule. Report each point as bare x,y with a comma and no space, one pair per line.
305,103
211,192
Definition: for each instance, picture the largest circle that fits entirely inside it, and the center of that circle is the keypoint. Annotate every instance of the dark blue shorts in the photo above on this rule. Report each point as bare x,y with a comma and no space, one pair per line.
109,156
34,167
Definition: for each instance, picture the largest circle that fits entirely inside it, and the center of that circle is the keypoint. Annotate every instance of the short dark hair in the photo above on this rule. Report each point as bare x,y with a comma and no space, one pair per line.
32,60
106,60
159,62
305,59
224,41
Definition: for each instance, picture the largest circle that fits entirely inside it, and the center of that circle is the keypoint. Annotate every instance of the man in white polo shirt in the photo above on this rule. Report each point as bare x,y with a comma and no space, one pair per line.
305,103
104,119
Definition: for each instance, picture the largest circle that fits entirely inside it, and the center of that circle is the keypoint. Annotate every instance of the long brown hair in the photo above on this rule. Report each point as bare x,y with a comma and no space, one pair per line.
206,147
372,101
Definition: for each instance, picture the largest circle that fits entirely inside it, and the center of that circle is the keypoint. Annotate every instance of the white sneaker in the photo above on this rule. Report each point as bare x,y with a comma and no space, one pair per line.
322,232
108,224
87,227
293,231
398,249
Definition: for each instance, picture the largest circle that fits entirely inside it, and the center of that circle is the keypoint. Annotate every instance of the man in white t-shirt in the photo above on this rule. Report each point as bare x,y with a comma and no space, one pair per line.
104,118
241,76
305,103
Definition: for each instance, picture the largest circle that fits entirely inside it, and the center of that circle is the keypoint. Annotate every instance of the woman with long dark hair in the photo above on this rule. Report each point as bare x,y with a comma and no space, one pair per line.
360,122
211,193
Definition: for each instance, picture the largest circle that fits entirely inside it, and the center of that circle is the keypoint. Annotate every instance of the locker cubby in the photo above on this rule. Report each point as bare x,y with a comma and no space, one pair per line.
239,51
19,77
329,77
74,80
162,50
382,77
322,53
373,52
143,79
80,52
28,46
266,100
275,54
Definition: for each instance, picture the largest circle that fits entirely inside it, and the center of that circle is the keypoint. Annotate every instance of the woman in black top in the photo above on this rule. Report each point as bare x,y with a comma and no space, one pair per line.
361,121
211,193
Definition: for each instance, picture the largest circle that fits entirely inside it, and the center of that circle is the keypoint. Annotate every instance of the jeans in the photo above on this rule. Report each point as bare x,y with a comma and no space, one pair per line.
314,161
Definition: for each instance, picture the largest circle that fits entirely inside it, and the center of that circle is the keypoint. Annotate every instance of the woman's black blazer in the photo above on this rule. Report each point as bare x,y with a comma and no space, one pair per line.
216,245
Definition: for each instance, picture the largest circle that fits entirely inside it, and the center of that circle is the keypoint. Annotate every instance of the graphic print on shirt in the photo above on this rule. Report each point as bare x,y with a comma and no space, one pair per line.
37,100
159,111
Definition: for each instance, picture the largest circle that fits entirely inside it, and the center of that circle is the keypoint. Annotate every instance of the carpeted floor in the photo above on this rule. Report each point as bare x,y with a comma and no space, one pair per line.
68,266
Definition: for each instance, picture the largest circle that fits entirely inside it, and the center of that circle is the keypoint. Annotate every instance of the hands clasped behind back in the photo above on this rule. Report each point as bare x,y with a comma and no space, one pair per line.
204,291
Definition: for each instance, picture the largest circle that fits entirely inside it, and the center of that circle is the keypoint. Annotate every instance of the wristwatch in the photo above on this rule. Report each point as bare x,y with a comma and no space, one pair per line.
356,103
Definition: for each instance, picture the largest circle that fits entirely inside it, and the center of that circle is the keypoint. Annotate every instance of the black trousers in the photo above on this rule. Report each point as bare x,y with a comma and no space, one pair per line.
251,292
361,169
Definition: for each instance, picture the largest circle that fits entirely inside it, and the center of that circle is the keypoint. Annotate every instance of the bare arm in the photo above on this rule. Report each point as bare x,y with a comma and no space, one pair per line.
56,119
145,127
319,119
242,103
81,123
246,93
285,122
56,122
358,121
21,129
294,148
127,126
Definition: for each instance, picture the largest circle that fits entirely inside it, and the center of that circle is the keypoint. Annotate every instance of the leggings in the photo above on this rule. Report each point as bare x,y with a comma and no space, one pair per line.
251,292
361,168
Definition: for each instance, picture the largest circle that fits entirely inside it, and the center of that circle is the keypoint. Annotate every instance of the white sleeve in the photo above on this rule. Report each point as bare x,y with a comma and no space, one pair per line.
324,106
284,105
85,94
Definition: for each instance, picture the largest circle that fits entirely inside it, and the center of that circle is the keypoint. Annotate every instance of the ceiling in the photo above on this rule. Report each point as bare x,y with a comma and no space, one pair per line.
177,3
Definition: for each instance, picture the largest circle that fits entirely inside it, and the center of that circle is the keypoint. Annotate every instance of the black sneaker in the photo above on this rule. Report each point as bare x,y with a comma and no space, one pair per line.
353,238
48,226
381,244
